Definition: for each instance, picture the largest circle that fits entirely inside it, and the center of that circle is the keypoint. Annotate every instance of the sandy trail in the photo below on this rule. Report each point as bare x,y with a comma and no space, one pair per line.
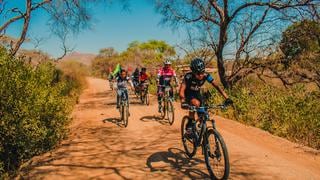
149,148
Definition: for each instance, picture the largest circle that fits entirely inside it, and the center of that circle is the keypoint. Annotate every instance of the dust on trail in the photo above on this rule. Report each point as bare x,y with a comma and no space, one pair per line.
98,147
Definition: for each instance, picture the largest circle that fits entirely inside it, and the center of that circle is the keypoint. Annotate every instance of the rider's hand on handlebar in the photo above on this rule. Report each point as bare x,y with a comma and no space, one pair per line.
228,102
184,105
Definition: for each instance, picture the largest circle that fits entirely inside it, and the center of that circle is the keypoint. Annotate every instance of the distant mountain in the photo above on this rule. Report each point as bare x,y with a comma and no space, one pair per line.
84,58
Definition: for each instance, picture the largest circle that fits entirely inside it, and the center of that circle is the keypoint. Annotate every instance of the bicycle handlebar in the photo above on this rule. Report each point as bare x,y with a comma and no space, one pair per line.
204,108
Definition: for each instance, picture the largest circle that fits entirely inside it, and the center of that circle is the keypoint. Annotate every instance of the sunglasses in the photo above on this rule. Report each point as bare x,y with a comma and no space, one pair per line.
200,73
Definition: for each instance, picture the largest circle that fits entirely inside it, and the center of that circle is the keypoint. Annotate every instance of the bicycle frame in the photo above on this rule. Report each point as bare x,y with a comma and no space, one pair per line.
124,98
203,116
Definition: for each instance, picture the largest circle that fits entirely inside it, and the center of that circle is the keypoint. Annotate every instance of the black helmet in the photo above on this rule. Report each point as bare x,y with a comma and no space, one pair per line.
197,65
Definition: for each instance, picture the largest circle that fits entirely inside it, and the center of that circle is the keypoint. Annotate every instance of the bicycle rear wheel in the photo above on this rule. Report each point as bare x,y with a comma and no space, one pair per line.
147,100
170,112
121,109
142,97
188,141
216,155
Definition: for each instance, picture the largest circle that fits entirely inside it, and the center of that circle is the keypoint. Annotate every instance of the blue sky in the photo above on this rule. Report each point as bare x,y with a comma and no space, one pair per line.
111,27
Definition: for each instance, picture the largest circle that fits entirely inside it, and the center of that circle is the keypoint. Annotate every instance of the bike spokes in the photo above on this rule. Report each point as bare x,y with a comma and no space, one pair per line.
216,156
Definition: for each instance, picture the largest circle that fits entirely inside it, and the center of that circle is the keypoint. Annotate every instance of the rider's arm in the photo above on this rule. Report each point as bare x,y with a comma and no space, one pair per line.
181,92
176,80
221,91
158,78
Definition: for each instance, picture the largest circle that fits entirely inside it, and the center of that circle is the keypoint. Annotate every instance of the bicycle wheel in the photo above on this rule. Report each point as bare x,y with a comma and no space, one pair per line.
146,98
170,112
142,98
216,155
163,111
121,109
188,141
125,115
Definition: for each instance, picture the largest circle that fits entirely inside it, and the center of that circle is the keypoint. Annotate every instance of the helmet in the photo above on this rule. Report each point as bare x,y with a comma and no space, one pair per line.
143,69
167,62
197,65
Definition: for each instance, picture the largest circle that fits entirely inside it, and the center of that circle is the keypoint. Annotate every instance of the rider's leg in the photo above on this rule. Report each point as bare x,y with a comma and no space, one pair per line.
171,93
118,98
160,92
127,96
191,120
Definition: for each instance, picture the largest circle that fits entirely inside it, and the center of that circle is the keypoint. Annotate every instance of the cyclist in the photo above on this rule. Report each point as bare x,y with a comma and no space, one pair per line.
110,79
122,81
190,88
164,77
135,79
143,77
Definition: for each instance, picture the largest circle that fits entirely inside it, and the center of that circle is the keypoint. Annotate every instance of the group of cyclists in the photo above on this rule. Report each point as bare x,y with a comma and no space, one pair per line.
189,91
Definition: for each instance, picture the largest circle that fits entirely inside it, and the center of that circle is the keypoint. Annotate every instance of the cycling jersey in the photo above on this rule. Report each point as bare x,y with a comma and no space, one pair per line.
193,84
135,76
165,75
143,77
122,83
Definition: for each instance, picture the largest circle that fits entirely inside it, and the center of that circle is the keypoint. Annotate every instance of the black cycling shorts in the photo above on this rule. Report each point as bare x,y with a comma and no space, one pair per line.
192,95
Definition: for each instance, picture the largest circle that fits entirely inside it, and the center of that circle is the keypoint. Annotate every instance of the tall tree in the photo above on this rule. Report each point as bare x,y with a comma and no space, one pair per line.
234,28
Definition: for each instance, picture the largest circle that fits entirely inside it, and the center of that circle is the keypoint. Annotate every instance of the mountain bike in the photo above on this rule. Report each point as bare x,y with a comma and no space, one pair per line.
144,93
124,106
136,88
167,107
213,146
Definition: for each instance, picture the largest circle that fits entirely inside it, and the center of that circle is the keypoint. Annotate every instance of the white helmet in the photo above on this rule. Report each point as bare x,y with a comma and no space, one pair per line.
167,62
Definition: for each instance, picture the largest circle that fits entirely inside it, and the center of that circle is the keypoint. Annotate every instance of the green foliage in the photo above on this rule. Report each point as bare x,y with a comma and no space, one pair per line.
34,108
74,74
146,54
301,37
290,113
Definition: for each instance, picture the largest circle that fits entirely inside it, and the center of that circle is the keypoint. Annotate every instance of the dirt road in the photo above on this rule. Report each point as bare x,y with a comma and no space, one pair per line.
99,148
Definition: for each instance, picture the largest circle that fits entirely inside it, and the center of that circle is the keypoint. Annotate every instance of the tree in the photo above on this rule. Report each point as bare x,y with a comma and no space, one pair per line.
240,27
108,52
106,59
66,17
301,37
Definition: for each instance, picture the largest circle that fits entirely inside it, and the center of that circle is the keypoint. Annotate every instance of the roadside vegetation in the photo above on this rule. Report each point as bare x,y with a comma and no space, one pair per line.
35,104
284,98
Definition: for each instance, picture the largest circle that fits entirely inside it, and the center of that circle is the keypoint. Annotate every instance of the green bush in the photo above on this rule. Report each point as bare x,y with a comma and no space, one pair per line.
292,113
34,108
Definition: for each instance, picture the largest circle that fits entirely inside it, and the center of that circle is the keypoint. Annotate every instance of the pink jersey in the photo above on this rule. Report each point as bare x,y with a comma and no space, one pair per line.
166,72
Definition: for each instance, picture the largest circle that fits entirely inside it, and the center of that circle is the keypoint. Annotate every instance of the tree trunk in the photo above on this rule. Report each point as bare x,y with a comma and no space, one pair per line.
219,53
222,71
22,38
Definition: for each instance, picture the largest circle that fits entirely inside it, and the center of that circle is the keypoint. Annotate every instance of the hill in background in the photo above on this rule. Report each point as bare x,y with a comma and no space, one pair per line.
84,58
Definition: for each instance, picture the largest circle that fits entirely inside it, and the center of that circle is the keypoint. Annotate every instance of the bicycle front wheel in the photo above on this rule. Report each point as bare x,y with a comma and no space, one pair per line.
188,140
163,111
146,98
170,112
125,115
216,156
